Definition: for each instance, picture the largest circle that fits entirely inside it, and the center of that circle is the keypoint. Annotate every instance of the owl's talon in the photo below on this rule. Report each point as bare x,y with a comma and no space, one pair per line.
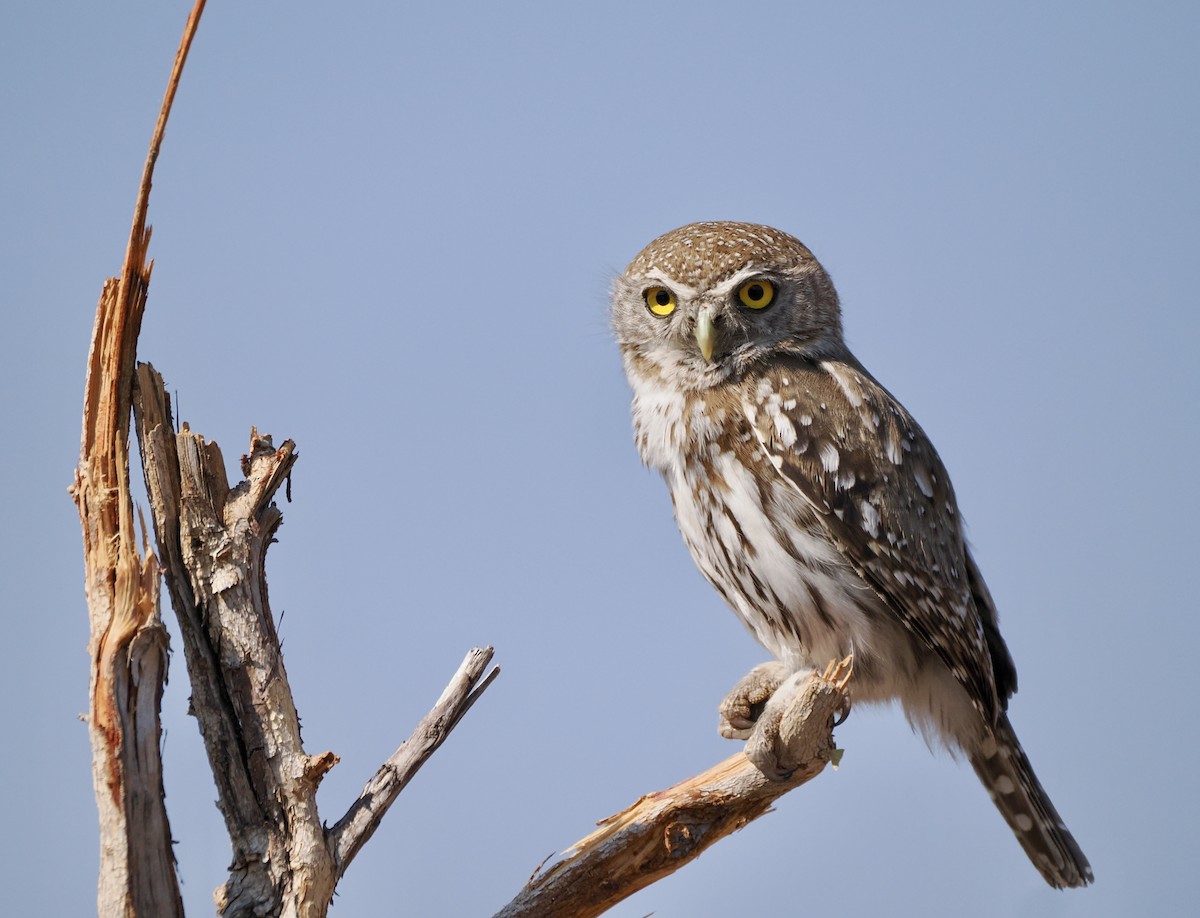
743,706
842,713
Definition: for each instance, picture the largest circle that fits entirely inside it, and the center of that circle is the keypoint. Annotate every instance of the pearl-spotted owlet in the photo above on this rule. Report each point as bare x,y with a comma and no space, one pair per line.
816,505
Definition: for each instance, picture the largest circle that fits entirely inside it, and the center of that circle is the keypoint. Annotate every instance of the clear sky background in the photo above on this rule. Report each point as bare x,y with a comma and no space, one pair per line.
388,232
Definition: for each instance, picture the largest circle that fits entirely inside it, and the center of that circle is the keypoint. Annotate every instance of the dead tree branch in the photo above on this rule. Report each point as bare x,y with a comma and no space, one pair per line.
128,644
362,819
665,830
213,541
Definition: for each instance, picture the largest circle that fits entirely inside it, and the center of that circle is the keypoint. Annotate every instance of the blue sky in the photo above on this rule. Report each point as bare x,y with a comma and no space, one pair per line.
388,233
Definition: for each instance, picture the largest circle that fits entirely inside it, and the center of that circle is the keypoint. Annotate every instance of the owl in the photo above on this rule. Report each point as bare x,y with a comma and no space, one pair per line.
817,507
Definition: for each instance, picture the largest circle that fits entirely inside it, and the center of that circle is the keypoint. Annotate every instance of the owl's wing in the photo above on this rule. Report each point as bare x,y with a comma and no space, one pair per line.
862,462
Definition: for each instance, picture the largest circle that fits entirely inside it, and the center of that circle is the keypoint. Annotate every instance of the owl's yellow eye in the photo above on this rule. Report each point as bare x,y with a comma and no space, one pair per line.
756,294
661,301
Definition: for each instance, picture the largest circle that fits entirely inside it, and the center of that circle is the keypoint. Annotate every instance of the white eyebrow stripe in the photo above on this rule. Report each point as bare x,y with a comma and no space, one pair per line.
679,289
727,286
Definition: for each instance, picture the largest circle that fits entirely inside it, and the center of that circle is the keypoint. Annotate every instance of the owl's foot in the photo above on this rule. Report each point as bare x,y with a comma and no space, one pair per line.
766,747
744,704
772,744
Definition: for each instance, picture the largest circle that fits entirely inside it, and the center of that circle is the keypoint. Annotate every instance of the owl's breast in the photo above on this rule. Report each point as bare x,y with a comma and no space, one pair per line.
751,534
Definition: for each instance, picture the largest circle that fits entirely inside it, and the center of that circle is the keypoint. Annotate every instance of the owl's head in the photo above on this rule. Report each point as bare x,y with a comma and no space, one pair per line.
708,301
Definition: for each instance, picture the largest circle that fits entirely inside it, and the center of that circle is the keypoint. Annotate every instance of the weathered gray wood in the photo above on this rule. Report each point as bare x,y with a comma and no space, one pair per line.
214,539
362,819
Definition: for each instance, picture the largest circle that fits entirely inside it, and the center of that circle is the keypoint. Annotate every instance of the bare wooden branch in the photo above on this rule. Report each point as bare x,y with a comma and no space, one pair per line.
362,819
210,701
213,539
128,643
665,830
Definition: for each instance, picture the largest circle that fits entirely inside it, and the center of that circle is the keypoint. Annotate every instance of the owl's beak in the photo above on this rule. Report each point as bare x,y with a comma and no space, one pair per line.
706,335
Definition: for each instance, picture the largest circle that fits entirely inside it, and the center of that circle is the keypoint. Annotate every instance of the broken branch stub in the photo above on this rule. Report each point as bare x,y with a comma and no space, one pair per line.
127,643
215,539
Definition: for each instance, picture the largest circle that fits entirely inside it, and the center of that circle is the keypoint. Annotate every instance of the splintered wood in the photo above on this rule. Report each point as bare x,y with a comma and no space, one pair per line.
128,644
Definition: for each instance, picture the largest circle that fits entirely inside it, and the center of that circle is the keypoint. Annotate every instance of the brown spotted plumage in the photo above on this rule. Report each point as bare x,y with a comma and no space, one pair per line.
815,504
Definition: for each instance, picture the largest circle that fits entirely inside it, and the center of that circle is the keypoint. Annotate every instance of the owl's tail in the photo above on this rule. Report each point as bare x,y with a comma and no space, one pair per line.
1005,771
